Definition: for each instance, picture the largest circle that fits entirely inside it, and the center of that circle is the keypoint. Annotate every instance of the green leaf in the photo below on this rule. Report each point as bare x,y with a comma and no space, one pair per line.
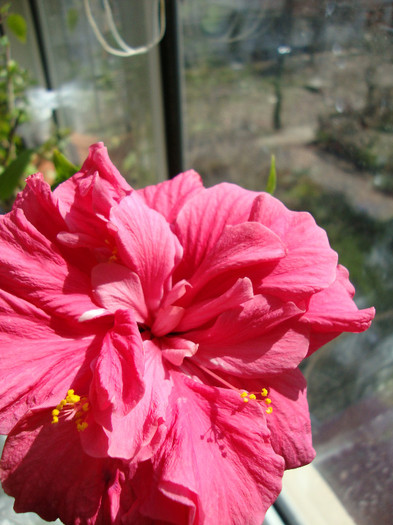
72,19
64,168
272,180
11,176
18,26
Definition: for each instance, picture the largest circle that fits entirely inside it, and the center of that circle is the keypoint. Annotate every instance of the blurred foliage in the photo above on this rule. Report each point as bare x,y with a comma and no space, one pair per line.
16,160
272,179
64,168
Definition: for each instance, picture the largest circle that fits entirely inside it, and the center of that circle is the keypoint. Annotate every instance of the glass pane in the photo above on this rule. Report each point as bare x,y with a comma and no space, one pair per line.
98,96
311,83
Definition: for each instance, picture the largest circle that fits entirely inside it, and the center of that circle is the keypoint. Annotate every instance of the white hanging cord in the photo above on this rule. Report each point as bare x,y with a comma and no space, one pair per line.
126,50
249,31
244,35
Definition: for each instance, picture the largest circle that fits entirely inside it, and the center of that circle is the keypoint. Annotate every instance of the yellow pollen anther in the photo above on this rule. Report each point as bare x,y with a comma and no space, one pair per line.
72,407
258,397
113,257
81,426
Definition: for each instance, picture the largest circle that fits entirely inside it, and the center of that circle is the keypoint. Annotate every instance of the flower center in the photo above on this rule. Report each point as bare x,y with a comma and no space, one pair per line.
72,407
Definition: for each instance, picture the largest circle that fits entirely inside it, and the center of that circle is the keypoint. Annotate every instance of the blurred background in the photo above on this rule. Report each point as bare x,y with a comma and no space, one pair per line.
231,83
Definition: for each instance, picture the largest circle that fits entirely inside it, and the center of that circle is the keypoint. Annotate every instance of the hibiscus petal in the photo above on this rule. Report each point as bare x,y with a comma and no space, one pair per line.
166,320
175,349
118,374
202,219
31,267
216,459
117,287
93,190
40,207
169,196
253,339
143,424
40,361
198,313
333,311
147,245
310,263
85,201
179,512
289,422
238,247
45,468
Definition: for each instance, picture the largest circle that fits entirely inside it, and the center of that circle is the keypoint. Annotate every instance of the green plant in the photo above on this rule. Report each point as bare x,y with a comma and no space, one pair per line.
16,160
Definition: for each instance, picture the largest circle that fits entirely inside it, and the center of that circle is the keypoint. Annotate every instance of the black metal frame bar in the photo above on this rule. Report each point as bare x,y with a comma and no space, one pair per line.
172,90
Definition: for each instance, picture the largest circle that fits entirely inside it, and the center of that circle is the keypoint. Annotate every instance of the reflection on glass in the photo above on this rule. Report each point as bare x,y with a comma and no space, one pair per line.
312,83
101,96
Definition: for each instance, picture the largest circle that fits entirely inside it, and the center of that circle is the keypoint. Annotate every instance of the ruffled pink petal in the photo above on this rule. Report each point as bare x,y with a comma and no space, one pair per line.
117,382
167,320
289,422
310,263
198,313
40,207
175,349
332,312
40,360
32,268
143,424
239,246
201,221
45,468
98,184
168,510
117,287
333,309
169,196
216,464
256,338
146,245
85,201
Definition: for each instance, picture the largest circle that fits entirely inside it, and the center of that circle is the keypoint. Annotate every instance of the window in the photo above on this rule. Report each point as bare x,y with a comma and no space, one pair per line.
310,82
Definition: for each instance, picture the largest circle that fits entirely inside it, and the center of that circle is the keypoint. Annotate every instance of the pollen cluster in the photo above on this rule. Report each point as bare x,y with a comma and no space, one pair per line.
72,407
262,398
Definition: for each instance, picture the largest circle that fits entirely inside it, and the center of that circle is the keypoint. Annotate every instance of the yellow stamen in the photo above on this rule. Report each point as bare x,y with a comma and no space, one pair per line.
247,396
72,407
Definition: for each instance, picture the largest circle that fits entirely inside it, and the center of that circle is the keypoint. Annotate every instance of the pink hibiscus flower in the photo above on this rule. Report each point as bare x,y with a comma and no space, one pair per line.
150,342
